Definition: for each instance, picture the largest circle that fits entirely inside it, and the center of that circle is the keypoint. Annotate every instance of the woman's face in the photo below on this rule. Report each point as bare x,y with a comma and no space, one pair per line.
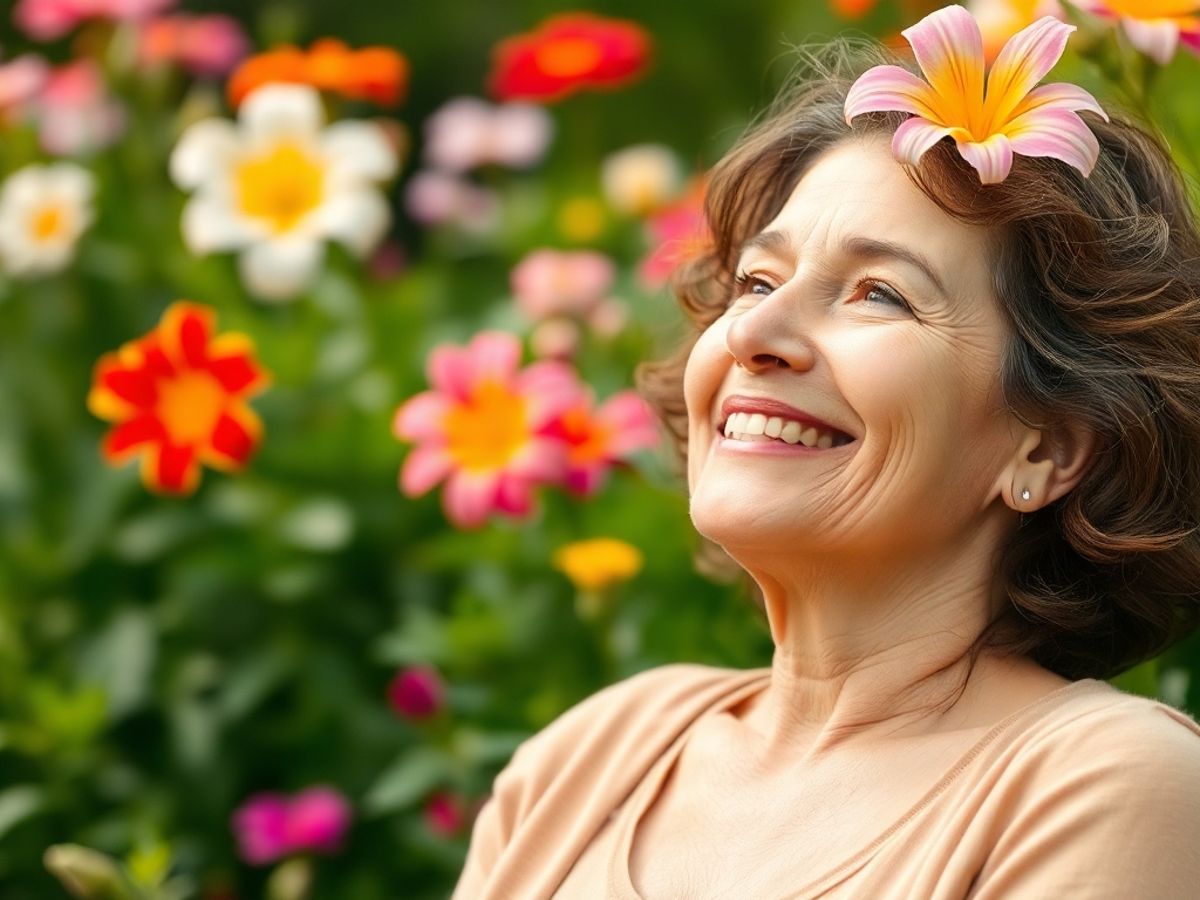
864,306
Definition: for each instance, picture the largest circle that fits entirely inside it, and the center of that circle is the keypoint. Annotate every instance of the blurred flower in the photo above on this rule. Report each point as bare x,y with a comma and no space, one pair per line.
291,880
609,317
852,9
678,233
467,132
178,397
21,80
46,20
598,439
555,282
640,179
598,563
555,338
1154,27
377,74
481,428
1001,19
278,185
269,825
84,872
581,219
43,211
988,123
445,814
204,45
566,53
74,111
416,692
436,198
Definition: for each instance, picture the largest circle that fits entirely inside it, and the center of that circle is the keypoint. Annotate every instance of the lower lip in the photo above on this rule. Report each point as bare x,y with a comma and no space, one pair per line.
775,447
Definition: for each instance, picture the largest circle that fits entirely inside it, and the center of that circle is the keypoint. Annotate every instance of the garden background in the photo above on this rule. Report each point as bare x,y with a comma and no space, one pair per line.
264,667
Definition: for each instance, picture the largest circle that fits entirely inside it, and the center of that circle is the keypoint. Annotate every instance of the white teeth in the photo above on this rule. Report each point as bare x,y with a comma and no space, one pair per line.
748,426
808,437
791,432
825,441
774,427
757,424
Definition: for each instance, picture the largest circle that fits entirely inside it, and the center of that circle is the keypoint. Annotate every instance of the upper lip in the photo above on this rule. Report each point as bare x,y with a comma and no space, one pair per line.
742,403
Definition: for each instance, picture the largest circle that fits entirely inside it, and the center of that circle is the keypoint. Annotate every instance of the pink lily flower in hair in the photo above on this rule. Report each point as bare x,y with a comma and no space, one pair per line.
989,124
1154,27
483,428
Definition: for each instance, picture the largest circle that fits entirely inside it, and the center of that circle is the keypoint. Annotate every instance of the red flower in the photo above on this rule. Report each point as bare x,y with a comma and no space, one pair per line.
417,692
446,813
601,438
376,74
567,53
177,398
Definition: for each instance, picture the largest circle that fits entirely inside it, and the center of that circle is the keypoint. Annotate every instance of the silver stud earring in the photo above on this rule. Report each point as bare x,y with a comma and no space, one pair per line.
1025,495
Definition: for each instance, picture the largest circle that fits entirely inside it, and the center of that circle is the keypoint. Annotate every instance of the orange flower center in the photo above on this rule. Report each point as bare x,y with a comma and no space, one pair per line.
567,57
48,223
1154,9
280,186
189,406
589,439
486,432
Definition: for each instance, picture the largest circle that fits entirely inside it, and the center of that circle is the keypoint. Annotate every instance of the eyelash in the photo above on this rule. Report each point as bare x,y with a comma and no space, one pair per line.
743,280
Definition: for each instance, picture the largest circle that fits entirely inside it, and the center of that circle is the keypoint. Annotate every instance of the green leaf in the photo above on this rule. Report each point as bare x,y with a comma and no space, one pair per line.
413,775
18,803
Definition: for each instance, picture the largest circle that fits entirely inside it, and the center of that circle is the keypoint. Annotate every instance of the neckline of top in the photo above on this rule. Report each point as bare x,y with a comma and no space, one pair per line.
620,882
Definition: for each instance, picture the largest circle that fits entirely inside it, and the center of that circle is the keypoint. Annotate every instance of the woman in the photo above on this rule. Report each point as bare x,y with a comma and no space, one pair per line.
946,415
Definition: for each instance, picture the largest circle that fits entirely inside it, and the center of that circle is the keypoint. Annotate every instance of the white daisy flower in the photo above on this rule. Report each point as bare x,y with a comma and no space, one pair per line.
43,211
278,184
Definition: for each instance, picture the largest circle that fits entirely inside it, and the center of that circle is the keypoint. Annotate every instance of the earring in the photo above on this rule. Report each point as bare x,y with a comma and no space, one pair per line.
1025,495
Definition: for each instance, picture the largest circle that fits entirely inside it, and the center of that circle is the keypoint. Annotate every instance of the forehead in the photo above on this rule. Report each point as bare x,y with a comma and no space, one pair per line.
857,189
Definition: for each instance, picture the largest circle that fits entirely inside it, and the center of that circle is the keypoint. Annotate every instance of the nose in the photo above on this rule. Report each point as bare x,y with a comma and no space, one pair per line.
769,335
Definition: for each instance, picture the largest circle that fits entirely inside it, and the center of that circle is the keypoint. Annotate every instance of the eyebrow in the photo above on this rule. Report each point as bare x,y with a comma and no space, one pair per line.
776,242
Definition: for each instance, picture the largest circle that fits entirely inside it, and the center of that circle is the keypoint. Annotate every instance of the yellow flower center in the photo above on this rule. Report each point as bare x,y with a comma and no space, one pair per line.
189,406
598,563
567,57
48,223
485,433
280,186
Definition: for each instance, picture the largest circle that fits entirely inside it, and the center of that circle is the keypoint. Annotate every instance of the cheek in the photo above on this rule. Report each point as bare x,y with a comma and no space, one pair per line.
706,368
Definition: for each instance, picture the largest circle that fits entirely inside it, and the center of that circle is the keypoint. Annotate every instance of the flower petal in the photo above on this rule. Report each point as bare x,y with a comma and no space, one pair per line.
449,370
171,469
209,224
424,468
991,158
1026,58
1157,38
884,88
232,362
1058,133
357,217
357,152
204,152
420,418
949,50
129,438
234,438
185,330
494,356
1058,96
551,388
514,496
633,424
469,497
540,460
914,137
277,111
280,269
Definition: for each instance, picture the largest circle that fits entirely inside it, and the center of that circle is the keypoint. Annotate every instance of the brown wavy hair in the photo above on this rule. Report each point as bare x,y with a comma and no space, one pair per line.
1099,278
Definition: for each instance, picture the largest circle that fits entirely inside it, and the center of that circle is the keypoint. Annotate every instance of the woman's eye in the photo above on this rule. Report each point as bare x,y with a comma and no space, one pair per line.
744,283
874,292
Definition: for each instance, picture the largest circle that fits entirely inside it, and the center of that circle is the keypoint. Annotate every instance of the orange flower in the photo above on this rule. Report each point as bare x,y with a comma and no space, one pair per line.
177,398
377,74
566,53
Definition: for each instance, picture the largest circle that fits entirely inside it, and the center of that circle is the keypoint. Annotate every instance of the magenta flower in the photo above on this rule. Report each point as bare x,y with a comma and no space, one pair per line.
481,428
1154,27
989,124
204,45
269,826
445,814
47,20
466,132
599,439
416,692
554,282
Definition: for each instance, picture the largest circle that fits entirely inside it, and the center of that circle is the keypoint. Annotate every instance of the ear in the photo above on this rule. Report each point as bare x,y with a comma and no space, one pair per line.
1047,463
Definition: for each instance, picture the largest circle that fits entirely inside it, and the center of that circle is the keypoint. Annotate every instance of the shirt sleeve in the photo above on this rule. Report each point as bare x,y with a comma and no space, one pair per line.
1111,810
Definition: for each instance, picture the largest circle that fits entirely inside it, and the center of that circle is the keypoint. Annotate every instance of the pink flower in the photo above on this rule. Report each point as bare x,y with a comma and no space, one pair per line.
21,80
204,45
435,198
445,814
416,692
74,112
599,439
467,132
1001,19
318,820
269,826
988,122
46,20
678,234
481,428
1154,27
554,282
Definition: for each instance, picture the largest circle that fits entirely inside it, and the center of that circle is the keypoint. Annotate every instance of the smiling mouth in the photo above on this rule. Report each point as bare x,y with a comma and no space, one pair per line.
760,428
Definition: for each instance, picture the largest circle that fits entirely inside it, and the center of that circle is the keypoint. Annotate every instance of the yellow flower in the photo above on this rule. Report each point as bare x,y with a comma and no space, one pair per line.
598,563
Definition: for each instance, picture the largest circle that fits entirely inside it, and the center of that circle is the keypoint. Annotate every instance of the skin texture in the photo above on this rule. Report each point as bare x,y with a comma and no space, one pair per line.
877,560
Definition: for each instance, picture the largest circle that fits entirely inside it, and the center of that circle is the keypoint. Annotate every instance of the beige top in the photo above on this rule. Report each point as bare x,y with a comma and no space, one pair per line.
1088,792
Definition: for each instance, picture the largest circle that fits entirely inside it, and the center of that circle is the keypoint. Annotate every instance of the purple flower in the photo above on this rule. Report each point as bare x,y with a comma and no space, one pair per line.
416,692
269,826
